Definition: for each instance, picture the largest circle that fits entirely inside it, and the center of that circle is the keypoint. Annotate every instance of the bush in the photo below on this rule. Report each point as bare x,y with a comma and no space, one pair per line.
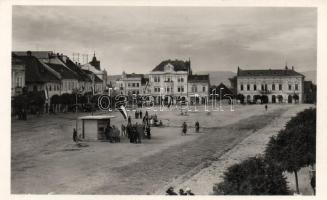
254,176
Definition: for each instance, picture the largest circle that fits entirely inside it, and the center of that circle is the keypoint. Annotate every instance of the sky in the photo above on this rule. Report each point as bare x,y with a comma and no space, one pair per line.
136,39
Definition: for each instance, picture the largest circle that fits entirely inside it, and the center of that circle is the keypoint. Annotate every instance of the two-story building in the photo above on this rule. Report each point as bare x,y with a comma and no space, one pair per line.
170,78
271,85
198,88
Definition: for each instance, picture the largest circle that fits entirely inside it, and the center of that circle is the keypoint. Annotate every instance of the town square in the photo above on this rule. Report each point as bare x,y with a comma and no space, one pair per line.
163,100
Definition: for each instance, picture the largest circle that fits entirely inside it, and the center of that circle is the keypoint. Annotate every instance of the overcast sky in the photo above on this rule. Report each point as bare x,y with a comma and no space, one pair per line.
136,39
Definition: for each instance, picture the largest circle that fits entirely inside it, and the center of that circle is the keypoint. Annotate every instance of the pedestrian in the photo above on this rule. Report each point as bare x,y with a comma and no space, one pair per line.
148,131
75,135
139,131
170,191
266,107
134,134
197,126
141,114
181,192
188,191
184,131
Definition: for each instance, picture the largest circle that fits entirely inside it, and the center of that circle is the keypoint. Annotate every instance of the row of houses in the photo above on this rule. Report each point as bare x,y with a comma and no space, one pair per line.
175,78
170,77
55,74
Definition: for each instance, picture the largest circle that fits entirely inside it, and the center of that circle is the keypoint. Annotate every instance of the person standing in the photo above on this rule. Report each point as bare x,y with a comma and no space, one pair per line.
141,114
197,126
184,131
139,133
266,107
75,135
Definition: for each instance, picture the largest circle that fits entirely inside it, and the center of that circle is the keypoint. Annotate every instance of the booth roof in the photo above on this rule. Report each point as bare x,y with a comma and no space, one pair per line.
95,117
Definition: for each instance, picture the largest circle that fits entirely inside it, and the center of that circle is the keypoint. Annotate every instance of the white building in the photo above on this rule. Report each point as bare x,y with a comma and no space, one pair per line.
170,77
274,85
130,84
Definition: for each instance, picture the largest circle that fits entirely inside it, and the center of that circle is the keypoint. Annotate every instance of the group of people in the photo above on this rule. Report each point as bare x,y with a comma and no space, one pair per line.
112,133
184,127
187,191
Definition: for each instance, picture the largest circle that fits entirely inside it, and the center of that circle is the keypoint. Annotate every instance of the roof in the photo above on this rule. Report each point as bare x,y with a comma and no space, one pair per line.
198,78
179,65
133,75
35,71
63,71
96,117
225,89
268,72
82,75
90,74
37,54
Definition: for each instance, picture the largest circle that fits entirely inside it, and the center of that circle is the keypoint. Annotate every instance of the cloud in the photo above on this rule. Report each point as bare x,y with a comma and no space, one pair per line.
139,38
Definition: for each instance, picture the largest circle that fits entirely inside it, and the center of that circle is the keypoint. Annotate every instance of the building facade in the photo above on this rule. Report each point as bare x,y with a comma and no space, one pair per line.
270,86
17,76
170,77
198,88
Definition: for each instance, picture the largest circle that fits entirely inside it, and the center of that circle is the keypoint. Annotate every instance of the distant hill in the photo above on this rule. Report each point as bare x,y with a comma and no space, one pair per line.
217,77
310,76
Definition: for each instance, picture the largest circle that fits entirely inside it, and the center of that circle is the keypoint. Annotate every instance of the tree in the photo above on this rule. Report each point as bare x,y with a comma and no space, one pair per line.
254,176
295,146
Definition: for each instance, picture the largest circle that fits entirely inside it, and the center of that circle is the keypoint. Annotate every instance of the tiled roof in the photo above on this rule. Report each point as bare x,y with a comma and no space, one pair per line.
198,78
35,72
81,74
63,71
179,65
268,72
133,75
37,54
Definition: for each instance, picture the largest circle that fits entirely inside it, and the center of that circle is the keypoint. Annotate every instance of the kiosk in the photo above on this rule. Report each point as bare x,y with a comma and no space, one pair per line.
93,127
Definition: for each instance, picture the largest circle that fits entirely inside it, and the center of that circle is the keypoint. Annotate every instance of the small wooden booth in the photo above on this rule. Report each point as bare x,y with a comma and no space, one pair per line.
93,127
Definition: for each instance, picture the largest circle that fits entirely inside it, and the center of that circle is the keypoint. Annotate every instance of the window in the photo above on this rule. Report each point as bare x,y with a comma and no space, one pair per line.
273,87
178,89
242,87
182,79
194,89
167,89
156,78
182,89
133,84
203,89
280,86
296,87
262,87
137,84
254,87
129,85
248,87
266,87
289,87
